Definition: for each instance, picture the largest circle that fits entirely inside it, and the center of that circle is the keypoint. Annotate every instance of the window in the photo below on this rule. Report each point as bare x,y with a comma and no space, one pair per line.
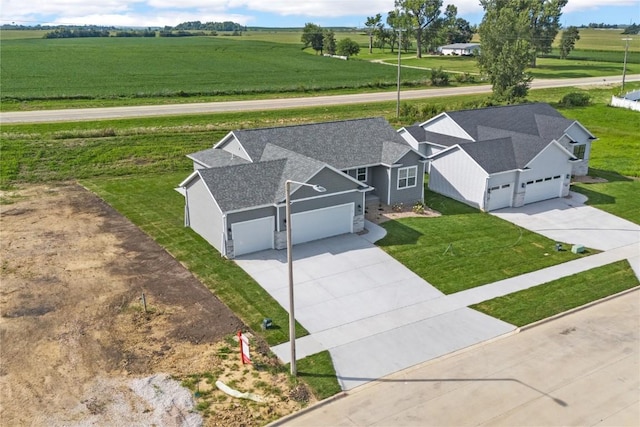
578,151
407,177
361,174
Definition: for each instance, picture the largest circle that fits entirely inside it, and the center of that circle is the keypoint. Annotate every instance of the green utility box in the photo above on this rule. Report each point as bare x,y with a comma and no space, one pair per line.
577,249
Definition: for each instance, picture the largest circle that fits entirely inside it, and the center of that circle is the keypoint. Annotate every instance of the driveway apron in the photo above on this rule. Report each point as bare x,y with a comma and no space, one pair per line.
373,314
569,220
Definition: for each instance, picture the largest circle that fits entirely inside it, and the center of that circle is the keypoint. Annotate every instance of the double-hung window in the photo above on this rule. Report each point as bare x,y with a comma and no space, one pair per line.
579,151
407,177
361,174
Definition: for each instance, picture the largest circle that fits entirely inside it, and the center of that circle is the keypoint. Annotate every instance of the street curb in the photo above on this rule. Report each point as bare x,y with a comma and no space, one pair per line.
317,405
576,309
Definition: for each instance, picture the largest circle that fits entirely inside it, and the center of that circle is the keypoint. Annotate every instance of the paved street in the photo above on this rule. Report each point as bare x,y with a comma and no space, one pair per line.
582,369
70,115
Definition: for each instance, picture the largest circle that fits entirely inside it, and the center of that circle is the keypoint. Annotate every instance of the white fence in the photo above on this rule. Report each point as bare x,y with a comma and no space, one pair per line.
625,103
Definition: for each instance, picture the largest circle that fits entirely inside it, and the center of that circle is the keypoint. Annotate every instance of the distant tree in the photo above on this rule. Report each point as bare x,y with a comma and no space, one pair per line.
421,14
372,24
545,23
399,22
329,42
313,35
568,41
506,48
632,29
348,47
460,32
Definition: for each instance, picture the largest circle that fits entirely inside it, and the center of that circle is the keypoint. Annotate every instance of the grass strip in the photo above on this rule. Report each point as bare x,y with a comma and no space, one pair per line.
318,371
540,302
152,204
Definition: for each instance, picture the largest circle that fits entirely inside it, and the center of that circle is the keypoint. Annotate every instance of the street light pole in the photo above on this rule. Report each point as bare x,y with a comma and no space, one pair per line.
292,317
624,66
399,58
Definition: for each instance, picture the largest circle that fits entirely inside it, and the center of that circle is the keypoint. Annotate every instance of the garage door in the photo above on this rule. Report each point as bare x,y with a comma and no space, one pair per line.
252,236
500,197
321,223
543,188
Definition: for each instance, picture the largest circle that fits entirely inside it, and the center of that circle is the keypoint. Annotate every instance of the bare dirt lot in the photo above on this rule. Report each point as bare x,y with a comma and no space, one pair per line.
76,346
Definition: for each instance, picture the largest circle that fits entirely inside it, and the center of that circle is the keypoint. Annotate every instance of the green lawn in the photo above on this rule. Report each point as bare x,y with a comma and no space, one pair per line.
465,248
543,301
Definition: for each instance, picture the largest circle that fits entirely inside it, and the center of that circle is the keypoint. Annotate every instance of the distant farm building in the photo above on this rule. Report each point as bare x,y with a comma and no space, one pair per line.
463,49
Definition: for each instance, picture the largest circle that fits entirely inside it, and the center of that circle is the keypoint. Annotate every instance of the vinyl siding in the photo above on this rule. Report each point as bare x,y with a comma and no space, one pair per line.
204,216
445,125
456,175
412,194
233,146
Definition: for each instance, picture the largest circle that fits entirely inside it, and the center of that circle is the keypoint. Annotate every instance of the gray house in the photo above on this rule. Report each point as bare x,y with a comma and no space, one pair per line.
499,157
235,198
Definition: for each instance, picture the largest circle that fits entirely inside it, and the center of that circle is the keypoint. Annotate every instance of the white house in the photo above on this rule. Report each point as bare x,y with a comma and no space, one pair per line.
463,49
499,157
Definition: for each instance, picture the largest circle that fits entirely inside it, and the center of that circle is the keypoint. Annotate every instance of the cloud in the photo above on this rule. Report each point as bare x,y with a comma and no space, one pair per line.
586,5
167,18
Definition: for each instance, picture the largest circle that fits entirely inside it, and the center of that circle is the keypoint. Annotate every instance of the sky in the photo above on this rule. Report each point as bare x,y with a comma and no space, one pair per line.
267,13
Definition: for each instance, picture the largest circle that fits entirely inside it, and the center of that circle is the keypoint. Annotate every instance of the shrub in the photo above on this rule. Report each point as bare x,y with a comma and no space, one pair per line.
439,77
575,99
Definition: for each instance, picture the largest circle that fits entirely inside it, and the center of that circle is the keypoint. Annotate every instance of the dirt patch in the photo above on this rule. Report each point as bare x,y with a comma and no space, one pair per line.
379,212
74,336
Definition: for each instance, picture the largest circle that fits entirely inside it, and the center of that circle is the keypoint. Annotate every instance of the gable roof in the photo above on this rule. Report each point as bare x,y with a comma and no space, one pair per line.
505,137
234,187
537,119
344,144
213,158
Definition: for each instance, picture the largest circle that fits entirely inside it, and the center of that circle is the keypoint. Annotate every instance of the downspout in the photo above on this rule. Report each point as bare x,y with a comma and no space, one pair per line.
224,236
187,221
389,186
487,195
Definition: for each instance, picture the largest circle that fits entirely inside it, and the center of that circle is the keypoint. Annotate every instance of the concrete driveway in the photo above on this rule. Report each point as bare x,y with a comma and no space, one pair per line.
569,220
374,315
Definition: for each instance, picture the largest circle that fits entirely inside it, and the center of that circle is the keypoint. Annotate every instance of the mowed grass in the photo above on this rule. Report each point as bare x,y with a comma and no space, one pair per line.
543,301
192,66
465,248
151,203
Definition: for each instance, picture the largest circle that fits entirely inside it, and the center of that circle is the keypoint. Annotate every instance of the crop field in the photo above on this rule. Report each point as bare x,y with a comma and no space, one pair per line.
144,67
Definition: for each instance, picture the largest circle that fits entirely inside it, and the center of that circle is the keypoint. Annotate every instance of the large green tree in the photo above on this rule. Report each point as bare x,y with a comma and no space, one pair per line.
544,16
313,35
372,25
421,15
506,49
347,47
329,42
568,41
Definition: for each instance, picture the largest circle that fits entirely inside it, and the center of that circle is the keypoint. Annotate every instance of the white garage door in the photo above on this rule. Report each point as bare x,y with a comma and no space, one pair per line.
321,223
500,197
252,236
543,189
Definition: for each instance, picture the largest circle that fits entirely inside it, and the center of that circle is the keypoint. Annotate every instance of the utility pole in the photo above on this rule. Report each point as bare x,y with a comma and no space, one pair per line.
399,58
624,66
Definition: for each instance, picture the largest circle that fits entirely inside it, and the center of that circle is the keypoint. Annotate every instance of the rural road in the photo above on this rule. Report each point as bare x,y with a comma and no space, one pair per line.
84,114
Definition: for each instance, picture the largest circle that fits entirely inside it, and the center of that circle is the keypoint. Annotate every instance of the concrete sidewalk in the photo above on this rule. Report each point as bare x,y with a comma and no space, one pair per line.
376,317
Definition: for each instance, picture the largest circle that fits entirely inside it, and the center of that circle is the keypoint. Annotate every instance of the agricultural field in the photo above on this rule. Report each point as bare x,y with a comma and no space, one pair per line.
59,73
178,67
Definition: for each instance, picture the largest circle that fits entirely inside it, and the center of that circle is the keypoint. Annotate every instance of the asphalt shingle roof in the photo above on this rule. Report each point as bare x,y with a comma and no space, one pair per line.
521,118
245,185
507,137
342,144
216,158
